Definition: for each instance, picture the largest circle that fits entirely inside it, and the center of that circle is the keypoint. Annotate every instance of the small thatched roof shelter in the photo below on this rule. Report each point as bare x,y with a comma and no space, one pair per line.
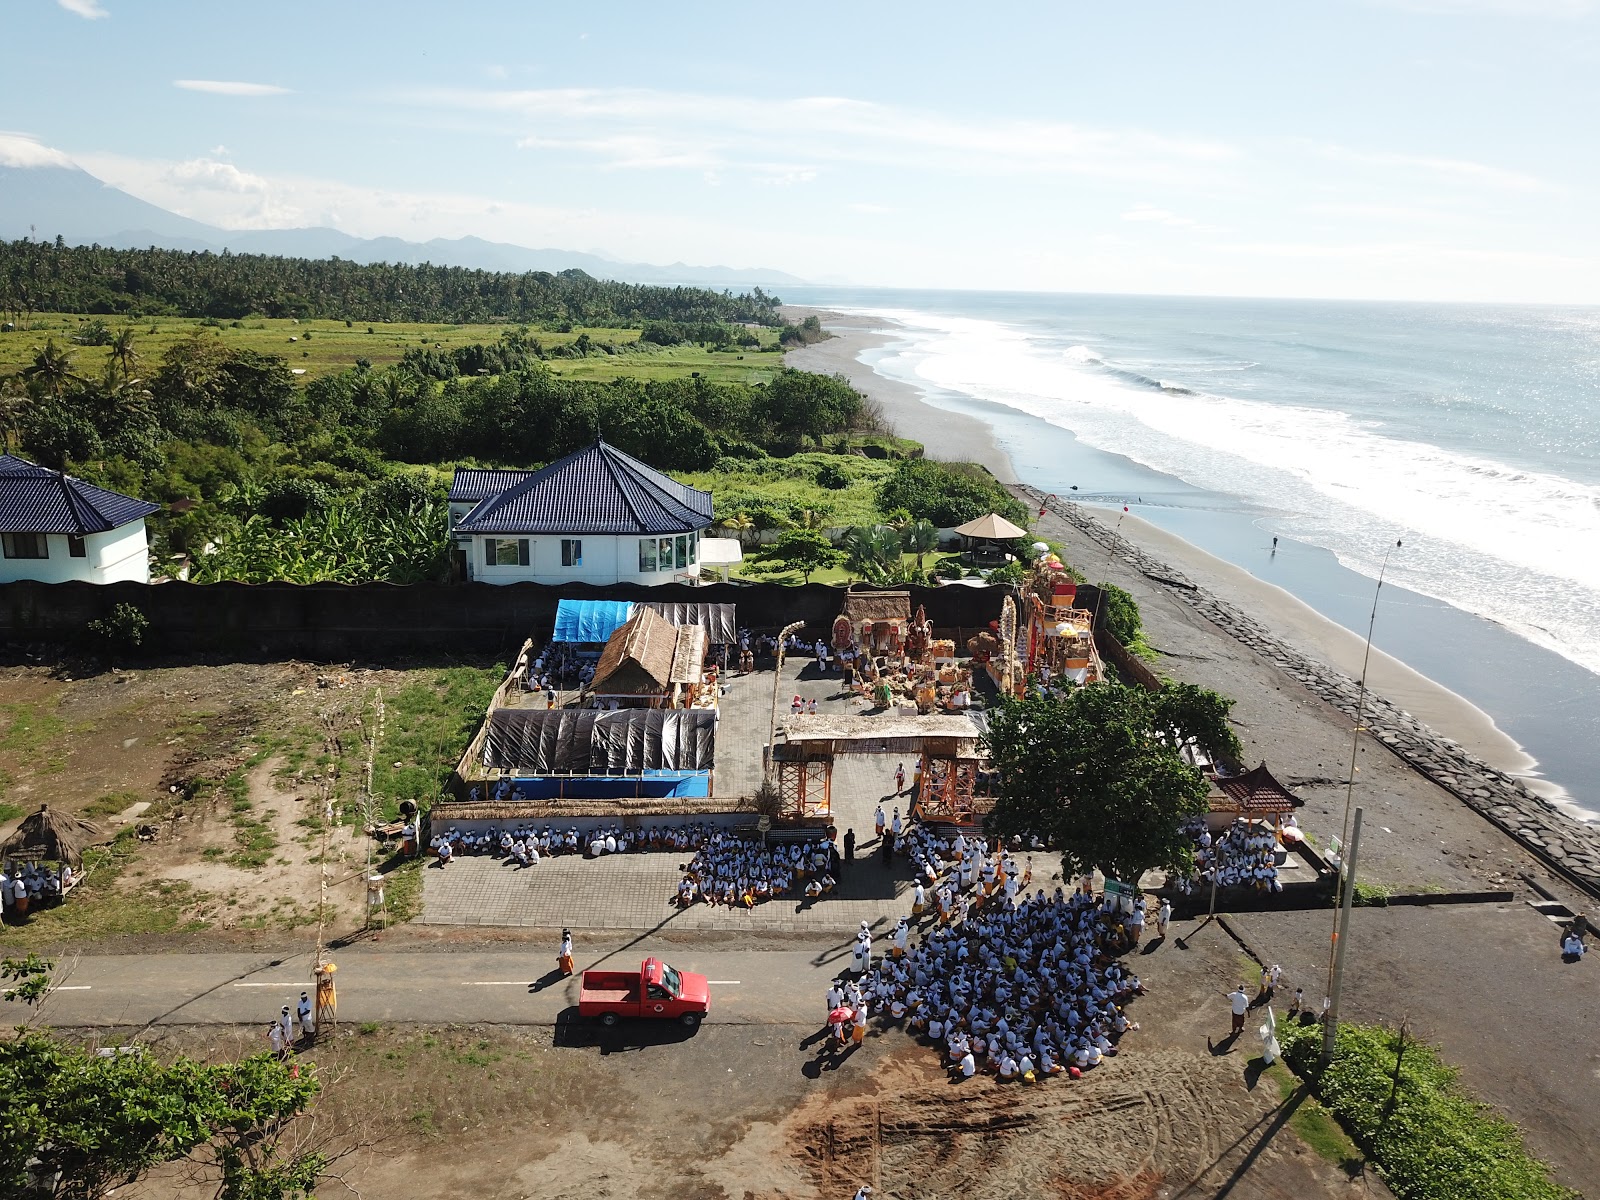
637,660
53,835
888,607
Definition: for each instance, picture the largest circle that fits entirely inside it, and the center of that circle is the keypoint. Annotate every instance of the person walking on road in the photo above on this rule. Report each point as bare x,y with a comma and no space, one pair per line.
894,825
899,779
286,1026
849,845
308,1024
1163,916
888,848
878,821
564,958
1239,1004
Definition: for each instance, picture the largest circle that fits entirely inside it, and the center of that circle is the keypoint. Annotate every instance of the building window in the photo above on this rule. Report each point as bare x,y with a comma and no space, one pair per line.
505,552
25,545
75,546
571,552
664,559
682,551
694,544
647,555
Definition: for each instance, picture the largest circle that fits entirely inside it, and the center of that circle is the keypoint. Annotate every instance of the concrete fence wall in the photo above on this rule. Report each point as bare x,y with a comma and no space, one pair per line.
334,622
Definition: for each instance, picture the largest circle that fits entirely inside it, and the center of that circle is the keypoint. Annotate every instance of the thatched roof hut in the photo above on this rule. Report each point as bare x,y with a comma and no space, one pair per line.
53,835
637,660
875,607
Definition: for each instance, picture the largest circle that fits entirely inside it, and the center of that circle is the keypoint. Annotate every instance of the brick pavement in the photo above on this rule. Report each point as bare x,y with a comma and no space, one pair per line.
633,892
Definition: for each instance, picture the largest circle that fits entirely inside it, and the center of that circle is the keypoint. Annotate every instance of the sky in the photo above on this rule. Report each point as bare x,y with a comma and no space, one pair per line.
1385,149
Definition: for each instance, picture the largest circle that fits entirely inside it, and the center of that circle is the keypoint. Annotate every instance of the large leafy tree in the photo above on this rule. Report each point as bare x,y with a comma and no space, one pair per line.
803,550
77,1125
1099,771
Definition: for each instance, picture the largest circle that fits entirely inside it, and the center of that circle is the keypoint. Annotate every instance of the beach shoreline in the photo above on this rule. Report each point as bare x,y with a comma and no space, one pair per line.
960,437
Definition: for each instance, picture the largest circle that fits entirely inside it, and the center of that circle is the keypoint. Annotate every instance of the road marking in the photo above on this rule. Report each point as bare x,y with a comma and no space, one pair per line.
75,987
728,981
294,984
496,983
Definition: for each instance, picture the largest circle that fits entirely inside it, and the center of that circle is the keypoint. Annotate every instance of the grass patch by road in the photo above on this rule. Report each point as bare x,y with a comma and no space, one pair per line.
1314,1124
426,726
98,908
1429,1137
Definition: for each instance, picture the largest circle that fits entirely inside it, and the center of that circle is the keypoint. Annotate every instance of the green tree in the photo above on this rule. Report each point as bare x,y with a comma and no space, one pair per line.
947,494
51,370
803,550
872,552
1096,771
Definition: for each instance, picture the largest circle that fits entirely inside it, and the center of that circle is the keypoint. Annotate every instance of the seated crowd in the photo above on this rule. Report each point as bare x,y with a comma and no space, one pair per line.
1242,856
28,885
728,870
526,845
1022,989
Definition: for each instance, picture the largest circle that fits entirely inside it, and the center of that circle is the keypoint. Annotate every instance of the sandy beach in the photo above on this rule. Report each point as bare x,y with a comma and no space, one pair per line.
956,436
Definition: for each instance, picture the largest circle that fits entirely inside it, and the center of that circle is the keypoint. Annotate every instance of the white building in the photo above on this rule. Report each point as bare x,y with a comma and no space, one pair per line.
57,529
596,516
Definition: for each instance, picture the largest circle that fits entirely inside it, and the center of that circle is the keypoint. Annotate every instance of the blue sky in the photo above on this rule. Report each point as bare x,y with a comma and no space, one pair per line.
1438,149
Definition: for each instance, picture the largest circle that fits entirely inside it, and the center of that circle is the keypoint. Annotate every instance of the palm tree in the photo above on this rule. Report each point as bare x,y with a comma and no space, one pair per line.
123,353
920,537
873,552
738,524
51,369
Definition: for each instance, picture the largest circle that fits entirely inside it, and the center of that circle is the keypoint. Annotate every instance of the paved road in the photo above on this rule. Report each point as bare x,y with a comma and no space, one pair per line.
748,986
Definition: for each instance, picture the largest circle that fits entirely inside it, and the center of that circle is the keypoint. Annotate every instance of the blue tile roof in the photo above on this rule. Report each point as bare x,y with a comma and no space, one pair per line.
598,490
472,484
35,499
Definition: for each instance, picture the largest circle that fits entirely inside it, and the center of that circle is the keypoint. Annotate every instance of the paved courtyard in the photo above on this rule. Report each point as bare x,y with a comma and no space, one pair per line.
634,891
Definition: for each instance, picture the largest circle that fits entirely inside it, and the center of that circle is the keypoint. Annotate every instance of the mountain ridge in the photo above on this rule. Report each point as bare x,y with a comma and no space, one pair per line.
50,201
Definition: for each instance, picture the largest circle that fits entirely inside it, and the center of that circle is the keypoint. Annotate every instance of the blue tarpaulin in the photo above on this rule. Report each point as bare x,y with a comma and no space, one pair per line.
590,620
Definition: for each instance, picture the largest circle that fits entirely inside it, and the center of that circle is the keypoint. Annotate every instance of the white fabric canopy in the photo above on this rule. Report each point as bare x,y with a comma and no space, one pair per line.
992,525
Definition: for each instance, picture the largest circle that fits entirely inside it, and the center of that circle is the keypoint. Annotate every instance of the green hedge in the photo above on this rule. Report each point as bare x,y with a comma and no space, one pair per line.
1438,1142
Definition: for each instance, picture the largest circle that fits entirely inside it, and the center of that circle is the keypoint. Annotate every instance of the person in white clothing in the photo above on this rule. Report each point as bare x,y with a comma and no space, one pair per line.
303,1013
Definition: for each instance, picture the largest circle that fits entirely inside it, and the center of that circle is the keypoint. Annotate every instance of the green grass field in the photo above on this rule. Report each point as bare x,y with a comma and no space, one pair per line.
325,347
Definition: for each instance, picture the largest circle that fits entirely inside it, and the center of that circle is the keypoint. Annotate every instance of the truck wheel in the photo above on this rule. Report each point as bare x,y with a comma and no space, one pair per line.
608,1019
690,1020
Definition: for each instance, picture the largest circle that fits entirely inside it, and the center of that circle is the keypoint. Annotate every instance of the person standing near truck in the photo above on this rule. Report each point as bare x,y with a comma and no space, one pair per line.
564,958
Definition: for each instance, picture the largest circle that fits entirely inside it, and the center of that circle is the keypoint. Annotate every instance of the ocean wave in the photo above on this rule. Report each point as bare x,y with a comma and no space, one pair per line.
1503,542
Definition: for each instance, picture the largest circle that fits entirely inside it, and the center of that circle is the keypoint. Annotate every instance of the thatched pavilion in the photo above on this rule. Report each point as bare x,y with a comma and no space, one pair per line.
51,835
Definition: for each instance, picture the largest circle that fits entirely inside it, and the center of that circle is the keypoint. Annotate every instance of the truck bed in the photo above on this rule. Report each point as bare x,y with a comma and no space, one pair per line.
609,987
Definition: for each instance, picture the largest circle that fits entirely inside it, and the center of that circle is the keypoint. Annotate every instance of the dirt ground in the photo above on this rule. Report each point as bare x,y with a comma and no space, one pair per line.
241,769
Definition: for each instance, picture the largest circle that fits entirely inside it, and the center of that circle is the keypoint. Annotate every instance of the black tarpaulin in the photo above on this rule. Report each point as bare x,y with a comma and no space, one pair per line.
716,619
559,741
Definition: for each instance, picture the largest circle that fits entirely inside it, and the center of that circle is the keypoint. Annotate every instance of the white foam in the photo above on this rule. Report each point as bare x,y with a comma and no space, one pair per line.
1519,547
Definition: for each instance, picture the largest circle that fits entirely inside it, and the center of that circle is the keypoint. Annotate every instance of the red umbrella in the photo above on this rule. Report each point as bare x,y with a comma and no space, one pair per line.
841,1015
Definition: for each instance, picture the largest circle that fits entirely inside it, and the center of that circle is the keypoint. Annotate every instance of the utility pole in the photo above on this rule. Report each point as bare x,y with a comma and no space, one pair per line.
1341,939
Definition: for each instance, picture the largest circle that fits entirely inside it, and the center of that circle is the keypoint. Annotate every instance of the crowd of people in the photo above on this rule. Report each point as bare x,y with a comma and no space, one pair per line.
1243,855
26,886
1022,988
292,1025
525,845
730,871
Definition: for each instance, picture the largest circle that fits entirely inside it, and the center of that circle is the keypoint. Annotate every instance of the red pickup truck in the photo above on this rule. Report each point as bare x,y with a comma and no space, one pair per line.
655,990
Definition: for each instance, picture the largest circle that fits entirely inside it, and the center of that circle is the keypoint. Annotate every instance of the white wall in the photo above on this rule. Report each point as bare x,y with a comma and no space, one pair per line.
116,556
606,559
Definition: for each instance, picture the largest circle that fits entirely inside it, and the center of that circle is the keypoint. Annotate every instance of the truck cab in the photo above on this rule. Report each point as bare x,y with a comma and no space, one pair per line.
655,991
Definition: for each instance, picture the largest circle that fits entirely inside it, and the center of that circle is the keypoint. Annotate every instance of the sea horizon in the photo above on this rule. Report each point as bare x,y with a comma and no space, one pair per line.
1227,422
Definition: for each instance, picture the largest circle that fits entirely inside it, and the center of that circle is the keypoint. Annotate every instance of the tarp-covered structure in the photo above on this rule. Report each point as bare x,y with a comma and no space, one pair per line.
590,620
589,752
716,619
52,835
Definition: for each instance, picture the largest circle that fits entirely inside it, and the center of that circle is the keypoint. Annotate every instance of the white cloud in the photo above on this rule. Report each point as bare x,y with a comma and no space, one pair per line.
1455,169
25,150
230,87
639,127
1151,214
89,10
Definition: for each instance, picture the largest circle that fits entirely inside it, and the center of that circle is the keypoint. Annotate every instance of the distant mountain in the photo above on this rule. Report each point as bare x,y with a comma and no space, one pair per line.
73,204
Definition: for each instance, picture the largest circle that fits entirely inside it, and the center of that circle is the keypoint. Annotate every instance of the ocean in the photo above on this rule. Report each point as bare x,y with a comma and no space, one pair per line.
1470,433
